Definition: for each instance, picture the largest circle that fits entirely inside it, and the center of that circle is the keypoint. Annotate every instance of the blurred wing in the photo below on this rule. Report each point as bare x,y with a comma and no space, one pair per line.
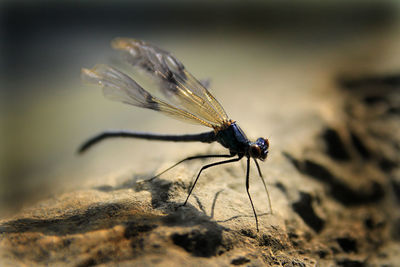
119,86
178,86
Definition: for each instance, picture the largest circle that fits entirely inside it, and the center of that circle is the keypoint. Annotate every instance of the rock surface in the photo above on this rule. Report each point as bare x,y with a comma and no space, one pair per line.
332,173
334,191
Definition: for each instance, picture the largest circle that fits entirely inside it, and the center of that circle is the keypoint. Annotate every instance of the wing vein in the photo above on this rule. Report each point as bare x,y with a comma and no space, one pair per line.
185,97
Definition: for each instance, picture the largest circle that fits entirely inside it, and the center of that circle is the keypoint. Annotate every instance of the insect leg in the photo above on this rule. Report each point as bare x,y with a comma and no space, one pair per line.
206,167
189,158
248,193
265,186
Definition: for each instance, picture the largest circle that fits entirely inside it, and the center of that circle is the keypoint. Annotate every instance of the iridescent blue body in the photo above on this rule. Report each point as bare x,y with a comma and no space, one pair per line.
234,139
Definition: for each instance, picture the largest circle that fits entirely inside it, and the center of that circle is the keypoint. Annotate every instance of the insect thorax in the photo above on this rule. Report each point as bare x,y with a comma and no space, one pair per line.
234,139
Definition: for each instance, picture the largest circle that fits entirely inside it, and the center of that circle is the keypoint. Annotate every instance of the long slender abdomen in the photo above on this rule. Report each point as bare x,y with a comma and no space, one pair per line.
207,137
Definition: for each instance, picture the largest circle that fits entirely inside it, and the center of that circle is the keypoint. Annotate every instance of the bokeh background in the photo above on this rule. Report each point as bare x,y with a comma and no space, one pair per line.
256,53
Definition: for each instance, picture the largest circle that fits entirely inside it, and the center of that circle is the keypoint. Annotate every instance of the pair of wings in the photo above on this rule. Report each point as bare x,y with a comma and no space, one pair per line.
185,97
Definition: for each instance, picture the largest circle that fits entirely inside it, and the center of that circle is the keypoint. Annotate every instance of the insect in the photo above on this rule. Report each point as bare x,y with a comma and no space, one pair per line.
183,97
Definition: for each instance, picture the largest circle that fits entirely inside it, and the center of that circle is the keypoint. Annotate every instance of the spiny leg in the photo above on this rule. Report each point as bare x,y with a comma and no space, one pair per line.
186,159
265,186
248,193
206,167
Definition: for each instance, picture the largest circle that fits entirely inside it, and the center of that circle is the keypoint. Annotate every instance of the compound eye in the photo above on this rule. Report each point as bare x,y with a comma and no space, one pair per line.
266,142
255,151
263,143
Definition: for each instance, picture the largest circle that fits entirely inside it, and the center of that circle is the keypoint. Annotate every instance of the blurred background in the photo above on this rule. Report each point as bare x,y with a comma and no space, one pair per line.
258,55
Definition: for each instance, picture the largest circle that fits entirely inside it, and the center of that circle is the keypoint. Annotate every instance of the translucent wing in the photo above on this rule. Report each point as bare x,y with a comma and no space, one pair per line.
119,86
176,84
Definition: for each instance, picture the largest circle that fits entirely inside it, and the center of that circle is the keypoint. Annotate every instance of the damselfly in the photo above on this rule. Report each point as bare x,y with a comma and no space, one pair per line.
182,97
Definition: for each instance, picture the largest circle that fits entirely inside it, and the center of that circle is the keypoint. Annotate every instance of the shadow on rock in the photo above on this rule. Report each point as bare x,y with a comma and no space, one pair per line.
98,216
205,240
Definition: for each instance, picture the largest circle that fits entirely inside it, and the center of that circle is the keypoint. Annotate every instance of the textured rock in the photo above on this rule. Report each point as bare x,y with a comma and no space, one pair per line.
334,187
